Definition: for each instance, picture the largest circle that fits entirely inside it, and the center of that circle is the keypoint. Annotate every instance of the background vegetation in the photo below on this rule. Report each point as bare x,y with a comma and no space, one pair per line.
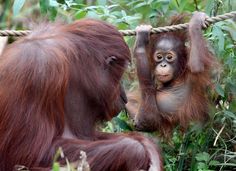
202,148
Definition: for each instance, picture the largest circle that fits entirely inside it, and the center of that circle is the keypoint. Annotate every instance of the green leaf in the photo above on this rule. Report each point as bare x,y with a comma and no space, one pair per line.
202,166
209,7
101,2
182,5
123,13
165,7
80,14
53,3
139,5
61,1
230,114
44,5
213,163
232,87
203,156
217,32
52,13
220,90
122,124
92,14
231,31
156,5
56,166
17,5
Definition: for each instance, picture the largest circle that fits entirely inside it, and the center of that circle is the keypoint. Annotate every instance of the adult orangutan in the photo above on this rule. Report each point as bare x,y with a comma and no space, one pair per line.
55,85
172,78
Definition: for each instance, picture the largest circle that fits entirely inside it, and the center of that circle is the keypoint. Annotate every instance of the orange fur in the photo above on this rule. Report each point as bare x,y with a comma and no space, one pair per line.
56,84
188,90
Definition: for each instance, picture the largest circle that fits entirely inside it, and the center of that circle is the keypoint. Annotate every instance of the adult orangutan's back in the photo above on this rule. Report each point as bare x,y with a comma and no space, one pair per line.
55,84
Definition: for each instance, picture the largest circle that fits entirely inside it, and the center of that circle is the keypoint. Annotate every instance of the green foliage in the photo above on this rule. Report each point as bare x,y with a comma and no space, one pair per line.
201,148
56,166
17,5
120,123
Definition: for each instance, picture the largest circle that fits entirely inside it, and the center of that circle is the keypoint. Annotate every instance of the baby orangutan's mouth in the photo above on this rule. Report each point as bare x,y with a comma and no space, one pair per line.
163,76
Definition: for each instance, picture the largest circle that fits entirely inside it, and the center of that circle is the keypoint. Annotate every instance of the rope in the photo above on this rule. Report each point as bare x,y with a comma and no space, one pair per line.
14,32
208,21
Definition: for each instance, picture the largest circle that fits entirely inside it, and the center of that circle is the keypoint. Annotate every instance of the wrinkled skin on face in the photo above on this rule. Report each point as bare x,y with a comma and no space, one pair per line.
166,61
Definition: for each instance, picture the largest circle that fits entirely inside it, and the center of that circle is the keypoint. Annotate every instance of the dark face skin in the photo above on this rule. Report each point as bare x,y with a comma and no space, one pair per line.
119,102
166,60
120,98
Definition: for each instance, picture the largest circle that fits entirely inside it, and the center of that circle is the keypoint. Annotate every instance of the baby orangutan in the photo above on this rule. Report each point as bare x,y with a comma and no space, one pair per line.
172,78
